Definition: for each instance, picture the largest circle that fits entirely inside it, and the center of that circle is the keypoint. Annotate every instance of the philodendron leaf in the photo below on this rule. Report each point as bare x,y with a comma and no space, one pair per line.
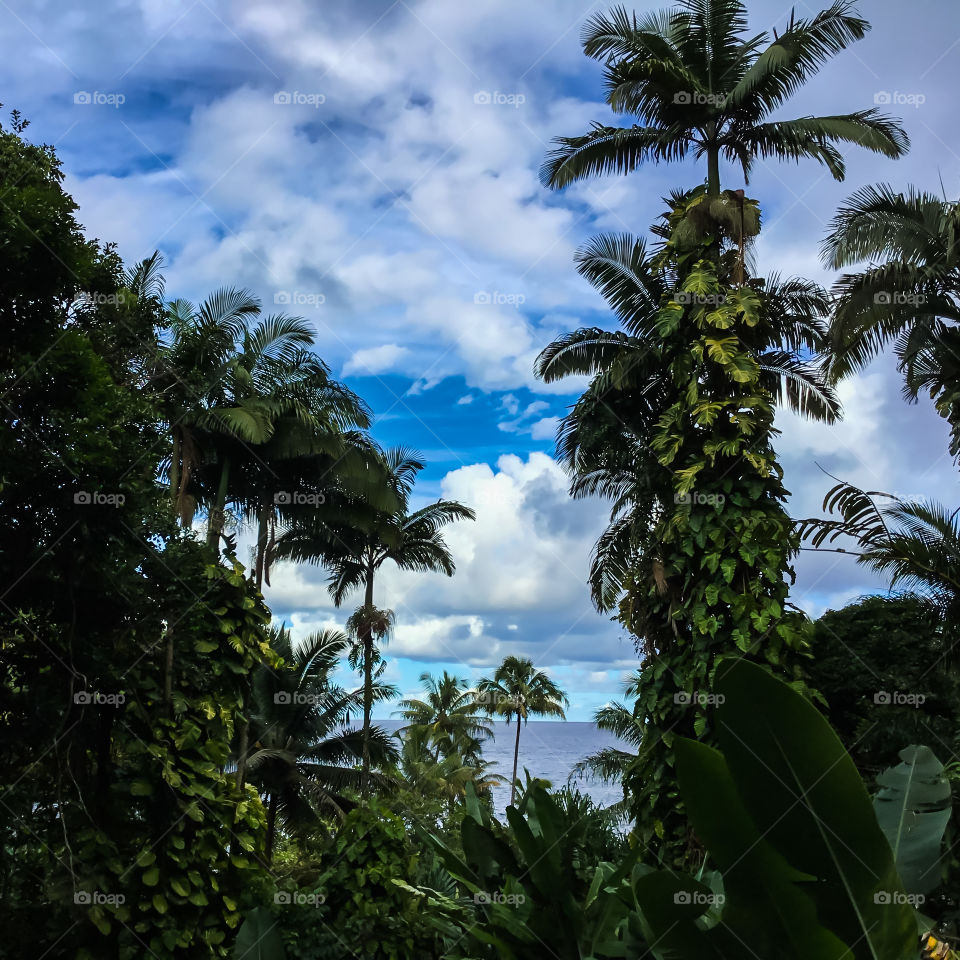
913,808
259,938
804,793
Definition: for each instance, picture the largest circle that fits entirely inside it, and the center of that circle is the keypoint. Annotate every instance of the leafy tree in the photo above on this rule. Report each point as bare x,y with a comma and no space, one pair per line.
696,82
519,690
884,666
357,543
908,295
303,754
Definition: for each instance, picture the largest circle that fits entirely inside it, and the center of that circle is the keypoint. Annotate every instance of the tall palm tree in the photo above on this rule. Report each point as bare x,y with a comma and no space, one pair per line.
450,715
696,82
358,542
908,295
604,441
518,689
302,754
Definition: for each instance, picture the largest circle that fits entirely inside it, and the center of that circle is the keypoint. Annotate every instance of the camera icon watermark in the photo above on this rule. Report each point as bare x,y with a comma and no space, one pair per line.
96,898
98,98
898,897
298,98
483,898
298,498
96,498
884,98
897,698
495,98
887,298
298,298
498,299
93,698
698,98
698,698
695,499
698,898
298,898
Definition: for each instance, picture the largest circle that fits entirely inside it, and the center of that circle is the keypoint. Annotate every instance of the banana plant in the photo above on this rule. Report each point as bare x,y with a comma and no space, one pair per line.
781,811
913,809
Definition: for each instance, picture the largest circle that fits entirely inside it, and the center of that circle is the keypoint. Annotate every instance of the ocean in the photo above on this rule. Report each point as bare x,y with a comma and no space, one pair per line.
549,749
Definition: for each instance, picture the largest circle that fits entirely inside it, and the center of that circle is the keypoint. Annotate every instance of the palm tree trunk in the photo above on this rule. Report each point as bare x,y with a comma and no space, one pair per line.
215,521
271,827
262,529
713,172
367,640
516,757
175,471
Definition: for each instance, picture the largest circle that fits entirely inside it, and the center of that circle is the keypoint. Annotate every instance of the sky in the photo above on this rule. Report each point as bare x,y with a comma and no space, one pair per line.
372,166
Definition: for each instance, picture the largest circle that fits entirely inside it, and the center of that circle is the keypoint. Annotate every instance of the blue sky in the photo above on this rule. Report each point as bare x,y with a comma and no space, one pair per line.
394,202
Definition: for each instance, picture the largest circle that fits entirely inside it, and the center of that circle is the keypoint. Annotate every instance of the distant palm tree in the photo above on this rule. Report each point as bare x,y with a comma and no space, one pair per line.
358,542
450,715
302,754
907,296
696,82
518,689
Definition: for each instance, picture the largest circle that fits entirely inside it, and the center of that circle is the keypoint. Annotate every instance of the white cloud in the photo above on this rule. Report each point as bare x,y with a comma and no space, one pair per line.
375,359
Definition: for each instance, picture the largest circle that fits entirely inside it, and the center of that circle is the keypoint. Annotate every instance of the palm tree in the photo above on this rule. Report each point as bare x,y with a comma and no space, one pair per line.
358,542
915,543
696,82
444,777
450,715
908,295
610,763
303,753
605,441
518,689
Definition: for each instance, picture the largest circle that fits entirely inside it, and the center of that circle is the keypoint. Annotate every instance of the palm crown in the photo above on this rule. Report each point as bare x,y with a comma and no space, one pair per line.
696,82
907,295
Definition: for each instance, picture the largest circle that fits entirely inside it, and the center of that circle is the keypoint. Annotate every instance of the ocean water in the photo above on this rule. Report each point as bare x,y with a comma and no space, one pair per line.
549,749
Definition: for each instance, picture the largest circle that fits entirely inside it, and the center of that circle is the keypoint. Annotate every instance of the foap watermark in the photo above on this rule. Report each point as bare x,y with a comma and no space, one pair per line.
97,898
884,98
698,699
699,98
298,298
498,299
899,897
298,98
687,298
94,698
497,99
503,899
98,98
491,698
898,698
299,899
297,699
97,498
696,499
298,498
898,298
106,299
698,898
